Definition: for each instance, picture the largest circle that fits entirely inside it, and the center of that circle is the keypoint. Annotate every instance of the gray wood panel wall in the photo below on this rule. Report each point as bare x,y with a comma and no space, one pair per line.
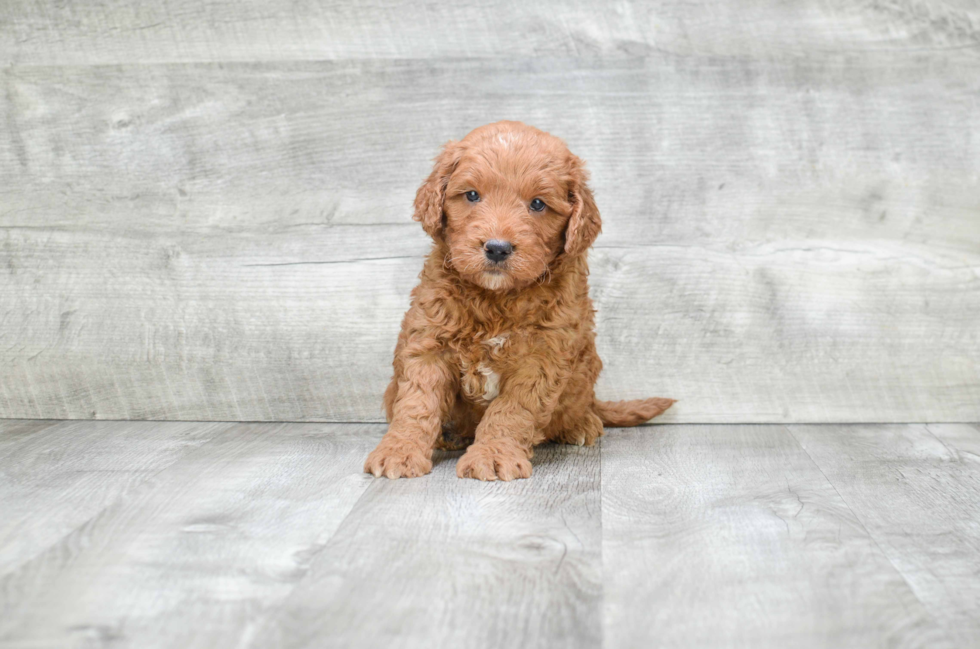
205,206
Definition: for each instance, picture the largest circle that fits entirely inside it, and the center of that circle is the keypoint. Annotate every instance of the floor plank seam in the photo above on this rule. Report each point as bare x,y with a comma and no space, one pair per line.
953,452
874,540
602,560
112,503
270,614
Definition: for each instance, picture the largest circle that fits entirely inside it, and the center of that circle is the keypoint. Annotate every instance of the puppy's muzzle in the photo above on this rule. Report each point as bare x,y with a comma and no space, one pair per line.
497,250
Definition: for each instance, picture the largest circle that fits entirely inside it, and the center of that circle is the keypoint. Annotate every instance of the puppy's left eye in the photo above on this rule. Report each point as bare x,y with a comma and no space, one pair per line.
472,196
537,205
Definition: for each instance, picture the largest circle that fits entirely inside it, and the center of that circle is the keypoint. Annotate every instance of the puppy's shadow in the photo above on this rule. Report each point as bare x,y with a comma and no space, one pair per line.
553,453
439,456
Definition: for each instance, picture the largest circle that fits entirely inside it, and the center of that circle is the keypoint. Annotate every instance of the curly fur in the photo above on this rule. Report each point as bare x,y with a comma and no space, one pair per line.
500,357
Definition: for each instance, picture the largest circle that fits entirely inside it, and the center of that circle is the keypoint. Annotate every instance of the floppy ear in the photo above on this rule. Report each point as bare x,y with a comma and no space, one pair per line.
432,193
585,224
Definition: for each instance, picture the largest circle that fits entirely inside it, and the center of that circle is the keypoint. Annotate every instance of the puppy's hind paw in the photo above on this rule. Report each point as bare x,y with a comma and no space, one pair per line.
584,433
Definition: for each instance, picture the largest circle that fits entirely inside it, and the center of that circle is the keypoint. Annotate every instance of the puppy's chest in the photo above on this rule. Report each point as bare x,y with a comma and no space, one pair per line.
483,362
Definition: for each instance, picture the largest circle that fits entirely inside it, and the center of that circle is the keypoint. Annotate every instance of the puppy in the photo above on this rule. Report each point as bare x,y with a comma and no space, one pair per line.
497,350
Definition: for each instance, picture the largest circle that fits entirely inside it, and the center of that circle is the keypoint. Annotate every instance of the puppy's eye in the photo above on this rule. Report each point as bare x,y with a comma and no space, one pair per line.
472,196
537,205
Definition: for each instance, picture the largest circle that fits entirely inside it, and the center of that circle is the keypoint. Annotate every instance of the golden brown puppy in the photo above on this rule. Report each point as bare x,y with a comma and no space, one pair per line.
498,346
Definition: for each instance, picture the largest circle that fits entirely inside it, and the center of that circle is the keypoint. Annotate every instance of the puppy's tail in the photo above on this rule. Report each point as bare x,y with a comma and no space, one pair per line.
631,413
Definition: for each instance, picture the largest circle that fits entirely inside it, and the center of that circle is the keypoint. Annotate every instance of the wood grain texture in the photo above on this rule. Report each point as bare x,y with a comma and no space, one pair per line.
16,432
48,32
60,477
731,536
439,561
269,535
241,544
916,489
197,555
790,239
728,151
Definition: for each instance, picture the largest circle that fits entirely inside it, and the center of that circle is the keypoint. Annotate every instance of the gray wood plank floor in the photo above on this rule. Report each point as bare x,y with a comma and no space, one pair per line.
152,534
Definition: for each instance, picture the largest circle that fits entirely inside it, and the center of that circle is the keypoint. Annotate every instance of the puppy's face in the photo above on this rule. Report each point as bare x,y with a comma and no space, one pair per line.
506,210
508,200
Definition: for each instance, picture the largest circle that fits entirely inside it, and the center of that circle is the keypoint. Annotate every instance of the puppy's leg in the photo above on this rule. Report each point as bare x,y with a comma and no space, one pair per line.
424,396
512,425
582,431
574,420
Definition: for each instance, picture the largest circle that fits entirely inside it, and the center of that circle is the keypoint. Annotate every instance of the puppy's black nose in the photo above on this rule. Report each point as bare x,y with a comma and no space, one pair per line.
497,250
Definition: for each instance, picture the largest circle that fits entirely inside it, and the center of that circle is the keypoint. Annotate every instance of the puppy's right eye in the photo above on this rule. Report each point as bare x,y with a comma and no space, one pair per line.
472,196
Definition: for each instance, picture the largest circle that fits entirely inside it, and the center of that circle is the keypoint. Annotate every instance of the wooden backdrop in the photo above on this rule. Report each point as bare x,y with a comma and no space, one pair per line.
205,205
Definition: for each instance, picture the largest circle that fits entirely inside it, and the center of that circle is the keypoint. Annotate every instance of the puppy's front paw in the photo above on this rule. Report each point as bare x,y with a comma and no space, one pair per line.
397,459
485,462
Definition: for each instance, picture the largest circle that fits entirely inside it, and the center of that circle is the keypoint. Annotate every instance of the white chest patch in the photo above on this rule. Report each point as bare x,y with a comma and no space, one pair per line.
496,342
491,383
480,382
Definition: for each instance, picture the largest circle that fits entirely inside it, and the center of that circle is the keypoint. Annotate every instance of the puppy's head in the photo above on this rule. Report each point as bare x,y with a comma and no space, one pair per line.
507,200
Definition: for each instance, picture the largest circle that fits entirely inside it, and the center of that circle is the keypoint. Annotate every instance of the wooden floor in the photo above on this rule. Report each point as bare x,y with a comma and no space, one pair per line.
179,534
